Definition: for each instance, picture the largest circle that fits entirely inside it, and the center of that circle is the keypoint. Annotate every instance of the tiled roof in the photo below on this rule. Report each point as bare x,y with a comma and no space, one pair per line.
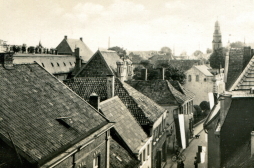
184,64
162,91
204,70
61,63
142,108
68,46
246,79
126,125
31,101
101,64
235,66
120,158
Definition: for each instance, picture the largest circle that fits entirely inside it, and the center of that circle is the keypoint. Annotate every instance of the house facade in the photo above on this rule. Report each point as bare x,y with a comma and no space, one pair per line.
201,81
45,124
99,75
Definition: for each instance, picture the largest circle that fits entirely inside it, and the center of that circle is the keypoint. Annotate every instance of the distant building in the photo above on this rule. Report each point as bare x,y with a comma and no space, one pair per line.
68,46
185,64
45,124
217,42
201,81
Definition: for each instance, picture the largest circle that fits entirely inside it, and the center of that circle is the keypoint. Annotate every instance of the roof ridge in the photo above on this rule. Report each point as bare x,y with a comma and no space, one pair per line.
112,98
243,73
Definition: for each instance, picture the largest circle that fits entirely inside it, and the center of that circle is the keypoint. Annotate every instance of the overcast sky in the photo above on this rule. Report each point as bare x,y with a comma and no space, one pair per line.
186,25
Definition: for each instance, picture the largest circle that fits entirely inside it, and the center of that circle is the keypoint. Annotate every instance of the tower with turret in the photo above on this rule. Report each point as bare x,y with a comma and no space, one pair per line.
217,37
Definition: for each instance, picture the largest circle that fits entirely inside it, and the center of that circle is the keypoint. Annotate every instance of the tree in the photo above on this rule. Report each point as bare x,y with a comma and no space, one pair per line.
120,51
217,58
204,105
198,53
237,44
146,63
208,50
23,48
184,53
166,50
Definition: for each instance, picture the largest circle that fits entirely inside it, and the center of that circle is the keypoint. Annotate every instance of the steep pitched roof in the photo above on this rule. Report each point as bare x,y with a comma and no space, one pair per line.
162,91
101,64
204,70
142,108
54,64
126,125
120,158
245,81
32,103
72,44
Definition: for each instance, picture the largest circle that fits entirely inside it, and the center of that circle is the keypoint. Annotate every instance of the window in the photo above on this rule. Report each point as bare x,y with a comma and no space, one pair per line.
64,64
70,63
189,78
144,155
197,78
57,64
52,64
205,79
140,157
96,162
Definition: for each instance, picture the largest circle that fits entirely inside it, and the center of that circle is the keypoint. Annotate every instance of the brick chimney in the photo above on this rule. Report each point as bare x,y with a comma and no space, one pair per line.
94,100
110,86
7,60
144,74
78,59
81,39
65,37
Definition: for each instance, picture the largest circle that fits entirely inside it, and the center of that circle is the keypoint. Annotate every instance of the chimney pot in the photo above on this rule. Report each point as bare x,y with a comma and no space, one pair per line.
110,86
65,37
94,100
81,38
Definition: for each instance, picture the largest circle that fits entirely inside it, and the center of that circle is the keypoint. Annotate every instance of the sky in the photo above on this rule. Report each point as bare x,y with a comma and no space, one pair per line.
135,25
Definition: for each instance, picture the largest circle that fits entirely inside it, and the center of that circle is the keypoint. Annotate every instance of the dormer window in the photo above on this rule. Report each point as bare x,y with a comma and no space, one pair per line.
52,64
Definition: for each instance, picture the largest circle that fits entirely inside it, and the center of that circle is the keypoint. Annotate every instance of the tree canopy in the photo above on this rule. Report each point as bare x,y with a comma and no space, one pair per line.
166,50
120,51
217,58
237,44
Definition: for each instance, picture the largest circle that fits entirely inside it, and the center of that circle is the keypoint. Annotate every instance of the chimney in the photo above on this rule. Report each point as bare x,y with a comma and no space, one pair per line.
65,37
78,60
56,52
226,100
161,73
110,86
94,100
247,55
7,60
144,74
81,39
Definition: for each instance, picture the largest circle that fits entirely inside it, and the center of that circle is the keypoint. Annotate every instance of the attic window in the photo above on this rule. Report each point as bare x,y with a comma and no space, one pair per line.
57,64
64,63
66,121
52,64
42,64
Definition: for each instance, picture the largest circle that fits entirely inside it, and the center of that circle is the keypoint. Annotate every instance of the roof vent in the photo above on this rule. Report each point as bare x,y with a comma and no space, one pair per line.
252,90
66,121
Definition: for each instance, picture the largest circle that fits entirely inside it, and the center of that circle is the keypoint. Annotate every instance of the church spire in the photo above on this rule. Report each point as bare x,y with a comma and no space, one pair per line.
217,36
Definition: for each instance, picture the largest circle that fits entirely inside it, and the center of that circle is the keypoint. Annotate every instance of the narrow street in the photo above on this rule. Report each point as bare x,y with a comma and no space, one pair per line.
192,149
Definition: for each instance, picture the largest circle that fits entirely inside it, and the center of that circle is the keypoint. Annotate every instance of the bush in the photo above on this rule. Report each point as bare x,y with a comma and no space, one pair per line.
204,105
197,110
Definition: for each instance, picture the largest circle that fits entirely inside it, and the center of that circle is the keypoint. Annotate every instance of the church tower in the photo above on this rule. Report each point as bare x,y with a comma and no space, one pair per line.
217,37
